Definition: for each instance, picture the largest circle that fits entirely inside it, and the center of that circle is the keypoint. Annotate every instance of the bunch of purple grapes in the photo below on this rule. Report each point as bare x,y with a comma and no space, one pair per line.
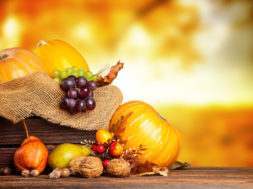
79,94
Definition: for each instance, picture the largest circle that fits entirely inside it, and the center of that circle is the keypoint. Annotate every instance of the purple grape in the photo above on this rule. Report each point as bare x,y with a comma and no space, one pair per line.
81,105
83,92
92,85
90,104
63,104
72,93
73,110
87,98
91,94
68,83
71,103
81,81
71,77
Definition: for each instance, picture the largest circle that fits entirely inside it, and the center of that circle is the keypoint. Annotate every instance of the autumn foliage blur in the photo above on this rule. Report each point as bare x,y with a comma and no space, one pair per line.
192,60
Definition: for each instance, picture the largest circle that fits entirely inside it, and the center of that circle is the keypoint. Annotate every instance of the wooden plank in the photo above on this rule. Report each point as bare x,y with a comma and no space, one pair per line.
49,133
197,178
6,157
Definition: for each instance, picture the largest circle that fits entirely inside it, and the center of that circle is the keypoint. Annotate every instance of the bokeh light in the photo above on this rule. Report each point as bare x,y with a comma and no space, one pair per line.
191,60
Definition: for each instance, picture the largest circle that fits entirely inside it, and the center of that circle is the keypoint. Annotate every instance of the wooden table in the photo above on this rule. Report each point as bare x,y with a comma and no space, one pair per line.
195,177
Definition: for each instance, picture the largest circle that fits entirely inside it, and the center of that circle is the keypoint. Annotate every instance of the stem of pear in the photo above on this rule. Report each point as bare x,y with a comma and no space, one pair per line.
26,130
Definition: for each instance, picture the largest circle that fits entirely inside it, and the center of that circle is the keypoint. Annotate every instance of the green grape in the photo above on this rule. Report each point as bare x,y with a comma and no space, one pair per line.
75,74
57,79
56,73
90,78
80,73
63,74
69,71
94,77
81,68
87,74
74,68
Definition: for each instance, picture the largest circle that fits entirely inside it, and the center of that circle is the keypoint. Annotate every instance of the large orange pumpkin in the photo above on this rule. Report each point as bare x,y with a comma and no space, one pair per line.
56,54
18,62
136,123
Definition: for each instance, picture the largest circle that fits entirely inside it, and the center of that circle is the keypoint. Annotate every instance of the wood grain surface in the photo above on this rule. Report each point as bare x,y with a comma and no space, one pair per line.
190,178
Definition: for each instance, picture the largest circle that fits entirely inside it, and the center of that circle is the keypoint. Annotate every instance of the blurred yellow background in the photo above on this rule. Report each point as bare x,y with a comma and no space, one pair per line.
190,59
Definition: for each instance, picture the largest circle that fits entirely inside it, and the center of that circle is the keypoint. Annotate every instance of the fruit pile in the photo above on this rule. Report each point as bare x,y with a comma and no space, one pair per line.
106,147
79,94
91,159
149,140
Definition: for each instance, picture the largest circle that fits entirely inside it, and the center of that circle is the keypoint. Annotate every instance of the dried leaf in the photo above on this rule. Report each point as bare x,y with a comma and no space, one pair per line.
179,165
144,167
119,127
146,174
163,171
107,75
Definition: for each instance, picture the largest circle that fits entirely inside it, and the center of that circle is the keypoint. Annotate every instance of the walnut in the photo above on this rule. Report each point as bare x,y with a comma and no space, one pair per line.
86,166
118,168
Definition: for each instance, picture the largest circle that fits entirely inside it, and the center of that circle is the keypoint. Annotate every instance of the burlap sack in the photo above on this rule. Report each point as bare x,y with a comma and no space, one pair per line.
39,95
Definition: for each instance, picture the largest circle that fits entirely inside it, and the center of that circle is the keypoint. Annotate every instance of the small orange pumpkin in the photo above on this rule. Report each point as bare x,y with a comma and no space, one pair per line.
18,62
136,123
57,54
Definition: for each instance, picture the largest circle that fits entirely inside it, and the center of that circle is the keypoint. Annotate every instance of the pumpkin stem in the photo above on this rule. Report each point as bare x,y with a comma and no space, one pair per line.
162,117
4,56
42,42
26,130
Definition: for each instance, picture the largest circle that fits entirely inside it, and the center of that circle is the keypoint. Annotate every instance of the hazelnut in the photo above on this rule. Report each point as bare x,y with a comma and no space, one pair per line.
65,172
5,171
25,173
34,173
55,174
